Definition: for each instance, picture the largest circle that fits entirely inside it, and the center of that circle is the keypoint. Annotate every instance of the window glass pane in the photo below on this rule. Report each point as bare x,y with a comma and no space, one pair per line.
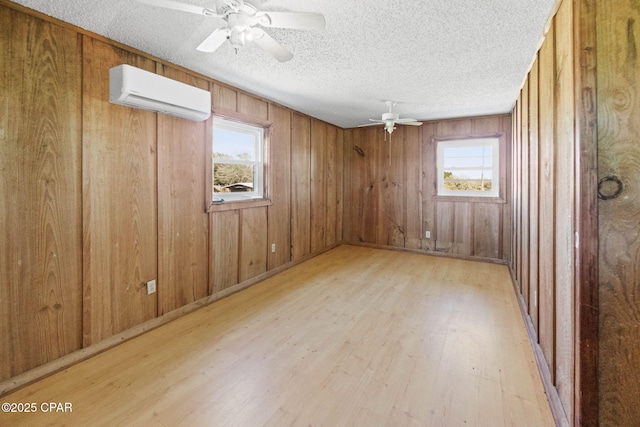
468,157
231,144
232,178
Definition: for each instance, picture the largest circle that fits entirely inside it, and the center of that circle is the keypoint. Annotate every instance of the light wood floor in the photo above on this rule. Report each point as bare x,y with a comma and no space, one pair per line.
356,336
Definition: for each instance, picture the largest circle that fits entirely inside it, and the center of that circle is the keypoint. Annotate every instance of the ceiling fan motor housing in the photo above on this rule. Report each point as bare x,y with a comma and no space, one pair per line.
390,116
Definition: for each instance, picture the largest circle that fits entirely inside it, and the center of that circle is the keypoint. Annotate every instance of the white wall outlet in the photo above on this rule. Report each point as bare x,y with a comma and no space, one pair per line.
273,248
427,234
151,286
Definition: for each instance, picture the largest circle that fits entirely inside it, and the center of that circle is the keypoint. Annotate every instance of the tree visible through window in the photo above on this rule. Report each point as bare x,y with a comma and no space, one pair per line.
237,160
468,167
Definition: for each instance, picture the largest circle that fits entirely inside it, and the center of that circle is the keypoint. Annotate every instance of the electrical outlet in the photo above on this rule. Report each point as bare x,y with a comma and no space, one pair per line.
151,286
427,234
273,248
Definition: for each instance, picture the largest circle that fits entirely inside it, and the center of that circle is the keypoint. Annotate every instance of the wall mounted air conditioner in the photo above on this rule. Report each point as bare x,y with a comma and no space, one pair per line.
138,88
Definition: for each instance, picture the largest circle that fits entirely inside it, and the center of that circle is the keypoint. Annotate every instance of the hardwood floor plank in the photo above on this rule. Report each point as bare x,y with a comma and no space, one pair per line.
355,336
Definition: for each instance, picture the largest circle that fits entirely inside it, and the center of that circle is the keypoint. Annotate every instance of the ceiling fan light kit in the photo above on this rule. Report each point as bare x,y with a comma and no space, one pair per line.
241,24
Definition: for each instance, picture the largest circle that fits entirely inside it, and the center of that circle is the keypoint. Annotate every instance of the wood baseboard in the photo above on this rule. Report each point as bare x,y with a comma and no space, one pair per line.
555,404
432,253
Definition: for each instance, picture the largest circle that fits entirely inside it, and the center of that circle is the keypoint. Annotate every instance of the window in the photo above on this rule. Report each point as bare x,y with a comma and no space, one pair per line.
469,167
237,160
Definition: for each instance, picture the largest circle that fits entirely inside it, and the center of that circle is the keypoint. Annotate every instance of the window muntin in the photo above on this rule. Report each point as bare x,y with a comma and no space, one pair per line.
469,167
237,160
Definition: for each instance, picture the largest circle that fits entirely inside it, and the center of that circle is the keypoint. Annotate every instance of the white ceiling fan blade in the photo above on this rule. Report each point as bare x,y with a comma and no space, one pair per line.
214,41
371,124
296,20
408,121
169,4
266,42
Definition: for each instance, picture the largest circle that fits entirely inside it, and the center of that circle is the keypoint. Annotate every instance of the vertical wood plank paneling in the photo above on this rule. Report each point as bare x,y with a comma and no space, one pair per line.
534,200
445,226
119,200
40,204
363,205
369,190
351,139
223,98
524,193
317,186
517,192
391,185
485,125
279,175
463,228
341,184
618,95
413,190
253,243
454,127
586,272
428,159
486,225
225,238
547,199
513,214
505,241
183,224
354,166
300,187
252,106
332,183
564,206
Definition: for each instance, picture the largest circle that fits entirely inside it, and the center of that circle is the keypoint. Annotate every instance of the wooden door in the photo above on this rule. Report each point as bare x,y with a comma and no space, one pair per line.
618,41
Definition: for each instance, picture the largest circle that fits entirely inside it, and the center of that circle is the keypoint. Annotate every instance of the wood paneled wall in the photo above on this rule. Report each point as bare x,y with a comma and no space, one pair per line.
97,199
577,123
390,189
544,200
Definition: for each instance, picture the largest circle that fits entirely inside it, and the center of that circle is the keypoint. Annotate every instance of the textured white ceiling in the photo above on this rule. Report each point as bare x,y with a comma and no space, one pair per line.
438,58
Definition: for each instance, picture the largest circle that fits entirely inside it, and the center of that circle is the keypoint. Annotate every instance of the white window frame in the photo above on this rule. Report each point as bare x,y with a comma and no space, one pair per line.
496,167
258,133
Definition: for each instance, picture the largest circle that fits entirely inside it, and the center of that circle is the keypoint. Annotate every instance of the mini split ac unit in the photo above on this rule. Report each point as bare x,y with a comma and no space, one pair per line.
138,88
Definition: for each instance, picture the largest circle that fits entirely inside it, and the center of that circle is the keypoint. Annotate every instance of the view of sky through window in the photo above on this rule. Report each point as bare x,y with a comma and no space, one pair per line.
474,162
234,144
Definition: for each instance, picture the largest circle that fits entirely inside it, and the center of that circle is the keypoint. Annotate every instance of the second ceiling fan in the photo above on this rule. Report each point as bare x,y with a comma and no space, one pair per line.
243,22
390,119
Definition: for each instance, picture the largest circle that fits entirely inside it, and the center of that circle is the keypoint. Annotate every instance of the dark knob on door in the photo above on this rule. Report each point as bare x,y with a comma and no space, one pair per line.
609,187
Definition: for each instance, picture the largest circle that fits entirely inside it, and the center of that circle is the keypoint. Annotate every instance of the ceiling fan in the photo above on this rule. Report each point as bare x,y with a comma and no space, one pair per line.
390,119
242,22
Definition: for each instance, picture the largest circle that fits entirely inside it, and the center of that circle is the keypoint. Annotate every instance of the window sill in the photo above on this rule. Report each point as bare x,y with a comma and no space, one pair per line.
470,199
238,204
